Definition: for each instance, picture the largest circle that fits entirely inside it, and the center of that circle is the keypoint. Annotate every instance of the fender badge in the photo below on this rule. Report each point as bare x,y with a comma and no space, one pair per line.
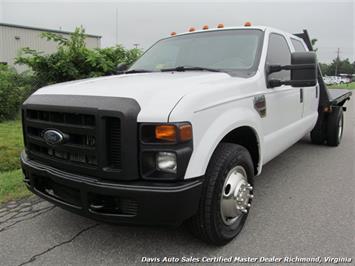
260,105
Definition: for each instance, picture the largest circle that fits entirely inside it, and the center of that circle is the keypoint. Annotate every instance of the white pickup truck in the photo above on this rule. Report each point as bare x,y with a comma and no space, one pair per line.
180,134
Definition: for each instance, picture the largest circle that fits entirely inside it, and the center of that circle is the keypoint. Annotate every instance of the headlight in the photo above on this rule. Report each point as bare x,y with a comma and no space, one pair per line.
165,150
166,162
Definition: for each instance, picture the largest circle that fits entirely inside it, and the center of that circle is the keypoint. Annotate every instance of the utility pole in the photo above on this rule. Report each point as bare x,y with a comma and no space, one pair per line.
136,45
116,26
337,62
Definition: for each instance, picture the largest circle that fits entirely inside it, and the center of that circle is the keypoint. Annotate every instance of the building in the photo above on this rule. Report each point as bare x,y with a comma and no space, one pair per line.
15,37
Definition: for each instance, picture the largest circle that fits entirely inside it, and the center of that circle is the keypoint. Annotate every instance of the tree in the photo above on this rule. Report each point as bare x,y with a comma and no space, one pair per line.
339,66
313,42
73,60
324,68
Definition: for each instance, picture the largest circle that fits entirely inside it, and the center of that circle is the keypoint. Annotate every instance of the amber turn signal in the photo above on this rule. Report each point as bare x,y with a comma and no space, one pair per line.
185,132
165,132
174,133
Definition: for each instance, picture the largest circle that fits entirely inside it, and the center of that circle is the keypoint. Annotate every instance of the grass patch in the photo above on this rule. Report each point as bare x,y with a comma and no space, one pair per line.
349,86
12,186
11,144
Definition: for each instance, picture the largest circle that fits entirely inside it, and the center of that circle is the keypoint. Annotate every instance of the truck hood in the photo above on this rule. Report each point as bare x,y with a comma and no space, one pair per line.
156,93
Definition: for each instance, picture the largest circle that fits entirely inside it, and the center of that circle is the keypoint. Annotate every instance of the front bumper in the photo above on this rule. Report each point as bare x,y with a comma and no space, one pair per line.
133,202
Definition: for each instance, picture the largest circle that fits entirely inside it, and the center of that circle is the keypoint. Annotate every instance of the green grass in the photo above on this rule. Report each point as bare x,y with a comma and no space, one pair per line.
349,86
11,144
12,186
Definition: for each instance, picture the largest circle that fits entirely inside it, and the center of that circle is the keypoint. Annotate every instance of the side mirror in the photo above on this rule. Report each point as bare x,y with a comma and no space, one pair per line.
303,70
121,68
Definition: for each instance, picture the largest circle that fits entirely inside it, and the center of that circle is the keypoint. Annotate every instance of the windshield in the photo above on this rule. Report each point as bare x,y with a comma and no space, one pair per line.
233,51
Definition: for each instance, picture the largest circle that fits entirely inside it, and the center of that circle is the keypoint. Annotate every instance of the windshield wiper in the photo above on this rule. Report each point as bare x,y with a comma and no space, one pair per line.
137,71
189,68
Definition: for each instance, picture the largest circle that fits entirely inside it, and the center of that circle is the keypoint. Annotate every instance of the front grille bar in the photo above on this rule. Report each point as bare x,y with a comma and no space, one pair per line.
79,149
100,134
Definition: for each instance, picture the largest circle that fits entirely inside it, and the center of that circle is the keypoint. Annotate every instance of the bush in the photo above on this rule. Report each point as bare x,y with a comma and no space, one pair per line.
14,88
73,60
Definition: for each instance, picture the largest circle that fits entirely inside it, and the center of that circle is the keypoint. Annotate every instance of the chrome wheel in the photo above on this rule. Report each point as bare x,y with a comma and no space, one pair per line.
236,195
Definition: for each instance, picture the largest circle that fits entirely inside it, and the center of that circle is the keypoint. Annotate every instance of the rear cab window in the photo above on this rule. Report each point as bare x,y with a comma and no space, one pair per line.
298,45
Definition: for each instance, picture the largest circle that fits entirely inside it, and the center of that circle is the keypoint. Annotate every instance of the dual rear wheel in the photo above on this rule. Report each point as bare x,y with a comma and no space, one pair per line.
332,132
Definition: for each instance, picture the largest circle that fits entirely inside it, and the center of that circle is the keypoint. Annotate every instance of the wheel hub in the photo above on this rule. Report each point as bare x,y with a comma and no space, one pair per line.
236,195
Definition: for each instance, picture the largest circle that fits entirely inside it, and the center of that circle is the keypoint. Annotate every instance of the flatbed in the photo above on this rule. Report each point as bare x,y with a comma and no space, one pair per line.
339,96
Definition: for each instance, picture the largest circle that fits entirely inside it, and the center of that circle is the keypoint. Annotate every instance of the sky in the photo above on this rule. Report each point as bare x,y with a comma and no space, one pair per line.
144,22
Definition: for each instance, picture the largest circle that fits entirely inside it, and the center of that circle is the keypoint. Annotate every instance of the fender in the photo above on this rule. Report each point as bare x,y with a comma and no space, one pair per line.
206,143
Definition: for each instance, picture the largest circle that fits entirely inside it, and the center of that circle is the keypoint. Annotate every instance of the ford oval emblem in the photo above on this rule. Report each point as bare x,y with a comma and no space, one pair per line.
53,137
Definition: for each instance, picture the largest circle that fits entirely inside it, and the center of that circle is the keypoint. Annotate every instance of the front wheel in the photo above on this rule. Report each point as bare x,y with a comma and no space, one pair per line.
226,197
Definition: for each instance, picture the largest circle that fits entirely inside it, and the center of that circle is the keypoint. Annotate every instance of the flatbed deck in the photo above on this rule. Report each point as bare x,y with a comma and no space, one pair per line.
339,96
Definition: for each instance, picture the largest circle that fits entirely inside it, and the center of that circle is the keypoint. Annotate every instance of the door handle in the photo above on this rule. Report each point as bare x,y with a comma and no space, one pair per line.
301,95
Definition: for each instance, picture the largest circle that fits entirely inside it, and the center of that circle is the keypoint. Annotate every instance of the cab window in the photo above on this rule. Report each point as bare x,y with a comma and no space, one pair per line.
278,54
298,45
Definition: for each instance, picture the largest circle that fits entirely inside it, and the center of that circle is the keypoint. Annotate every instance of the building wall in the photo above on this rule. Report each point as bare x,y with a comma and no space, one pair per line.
12,39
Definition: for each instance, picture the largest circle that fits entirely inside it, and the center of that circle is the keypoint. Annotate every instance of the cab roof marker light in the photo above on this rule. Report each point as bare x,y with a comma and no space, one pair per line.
192,29
247,24
220,26
205,27
173,33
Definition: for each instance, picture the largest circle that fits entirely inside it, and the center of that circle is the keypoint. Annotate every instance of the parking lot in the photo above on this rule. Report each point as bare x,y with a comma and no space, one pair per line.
304,206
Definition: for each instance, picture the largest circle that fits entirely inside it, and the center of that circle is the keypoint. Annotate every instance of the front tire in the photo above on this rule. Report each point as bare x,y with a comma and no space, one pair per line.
226,196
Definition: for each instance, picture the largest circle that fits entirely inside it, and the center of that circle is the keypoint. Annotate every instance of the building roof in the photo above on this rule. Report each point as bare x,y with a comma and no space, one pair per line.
43,29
